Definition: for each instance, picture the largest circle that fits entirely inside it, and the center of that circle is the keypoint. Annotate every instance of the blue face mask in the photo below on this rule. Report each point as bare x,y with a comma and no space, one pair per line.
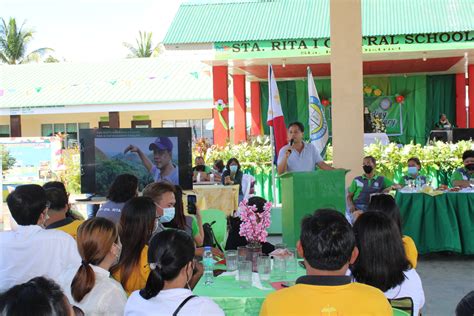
233,168
412,170
168,215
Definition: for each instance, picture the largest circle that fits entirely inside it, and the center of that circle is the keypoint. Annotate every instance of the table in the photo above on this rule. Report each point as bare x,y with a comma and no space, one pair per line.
235,301
440,223
218,196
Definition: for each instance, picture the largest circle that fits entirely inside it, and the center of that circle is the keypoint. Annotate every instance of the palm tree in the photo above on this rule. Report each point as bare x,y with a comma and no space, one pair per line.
14,42
144,46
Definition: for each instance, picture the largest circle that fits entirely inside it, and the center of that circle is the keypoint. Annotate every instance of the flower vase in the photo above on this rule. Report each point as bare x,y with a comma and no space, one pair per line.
254,250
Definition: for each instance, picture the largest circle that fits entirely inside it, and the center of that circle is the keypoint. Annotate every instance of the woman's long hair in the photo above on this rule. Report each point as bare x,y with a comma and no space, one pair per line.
95,237
168,253
382,260
385,203
179,220
136,225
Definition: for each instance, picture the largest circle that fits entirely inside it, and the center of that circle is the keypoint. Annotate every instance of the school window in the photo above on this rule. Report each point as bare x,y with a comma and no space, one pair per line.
4,130
201,128
71,131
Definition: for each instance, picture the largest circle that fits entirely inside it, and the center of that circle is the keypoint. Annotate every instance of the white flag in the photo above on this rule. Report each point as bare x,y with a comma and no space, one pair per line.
318,127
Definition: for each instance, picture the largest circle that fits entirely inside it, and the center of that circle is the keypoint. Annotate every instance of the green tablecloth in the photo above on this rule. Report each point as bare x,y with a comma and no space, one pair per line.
236,301
440,223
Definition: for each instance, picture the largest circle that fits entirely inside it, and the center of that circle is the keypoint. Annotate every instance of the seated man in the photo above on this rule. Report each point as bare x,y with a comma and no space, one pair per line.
327,245
462,176
363,186
200,170
443,123
30,250
57,213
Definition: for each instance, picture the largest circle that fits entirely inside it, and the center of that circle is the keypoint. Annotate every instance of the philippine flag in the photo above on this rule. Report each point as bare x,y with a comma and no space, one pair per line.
275,114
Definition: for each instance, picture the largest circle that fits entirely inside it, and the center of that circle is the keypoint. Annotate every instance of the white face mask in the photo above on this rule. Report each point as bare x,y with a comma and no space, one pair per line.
168,214
117,256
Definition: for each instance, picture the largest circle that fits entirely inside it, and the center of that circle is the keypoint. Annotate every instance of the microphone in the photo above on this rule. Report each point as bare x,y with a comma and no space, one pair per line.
291,144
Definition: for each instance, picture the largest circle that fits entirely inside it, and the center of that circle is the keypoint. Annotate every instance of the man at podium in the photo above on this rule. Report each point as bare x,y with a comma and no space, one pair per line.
298,155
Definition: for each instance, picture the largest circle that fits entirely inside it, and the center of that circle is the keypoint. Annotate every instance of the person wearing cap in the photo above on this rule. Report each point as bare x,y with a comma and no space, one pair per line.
163,168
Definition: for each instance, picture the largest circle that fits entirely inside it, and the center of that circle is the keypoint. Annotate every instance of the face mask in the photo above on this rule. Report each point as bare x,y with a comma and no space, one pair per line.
367,169
117,256
412,170
168,215
470,167
233,168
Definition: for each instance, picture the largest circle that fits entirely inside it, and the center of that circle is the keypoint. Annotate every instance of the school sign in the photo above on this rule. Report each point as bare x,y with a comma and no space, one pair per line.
322,46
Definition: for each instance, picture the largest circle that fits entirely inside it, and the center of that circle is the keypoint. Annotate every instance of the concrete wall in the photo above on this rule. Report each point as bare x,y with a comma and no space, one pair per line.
31,124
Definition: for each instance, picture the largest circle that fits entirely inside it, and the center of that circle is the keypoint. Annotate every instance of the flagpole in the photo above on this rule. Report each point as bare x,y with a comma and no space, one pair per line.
272,142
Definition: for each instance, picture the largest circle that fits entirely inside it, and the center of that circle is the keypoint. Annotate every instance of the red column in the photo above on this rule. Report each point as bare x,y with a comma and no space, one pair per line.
256,128
220,92
471,95
240,108
460,101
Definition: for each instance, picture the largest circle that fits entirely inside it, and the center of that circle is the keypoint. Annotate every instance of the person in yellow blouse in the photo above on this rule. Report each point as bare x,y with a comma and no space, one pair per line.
385,203
137,223
58,209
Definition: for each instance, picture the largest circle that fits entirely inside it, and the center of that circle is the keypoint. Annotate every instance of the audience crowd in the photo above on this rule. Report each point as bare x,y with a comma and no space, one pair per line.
139,255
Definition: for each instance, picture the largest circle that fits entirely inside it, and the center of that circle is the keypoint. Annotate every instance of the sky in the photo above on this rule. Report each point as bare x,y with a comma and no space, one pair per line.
90,30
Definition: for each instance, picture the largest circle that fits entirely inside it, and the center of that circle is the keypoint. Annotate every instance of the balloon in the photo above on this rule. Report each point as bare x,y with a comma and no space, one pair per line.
377,92
399,98
325,102
367,90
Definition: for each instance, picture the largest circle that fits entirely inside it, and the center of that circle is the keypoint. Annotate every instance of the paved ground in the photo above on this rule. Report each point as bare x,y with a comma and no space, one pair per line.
446,279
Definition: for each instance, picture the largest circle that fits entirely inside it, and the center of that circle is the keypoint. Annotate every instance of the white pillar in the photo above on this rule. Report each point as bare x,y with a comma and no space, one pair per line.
346,85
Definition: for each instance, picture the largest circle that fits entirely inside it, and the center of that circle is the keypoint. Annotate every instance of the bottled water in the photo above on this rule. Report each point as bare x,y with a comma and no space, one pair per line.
208,262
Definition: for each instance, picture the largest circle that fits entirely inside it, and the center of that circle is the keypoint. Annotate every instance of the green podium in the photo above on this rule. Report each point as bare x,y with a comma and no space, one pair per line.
304,192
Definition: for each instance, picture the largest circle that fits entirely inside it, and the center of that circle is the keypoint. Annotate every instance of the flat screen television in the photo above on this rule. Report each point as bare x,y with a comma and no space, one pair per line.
152,154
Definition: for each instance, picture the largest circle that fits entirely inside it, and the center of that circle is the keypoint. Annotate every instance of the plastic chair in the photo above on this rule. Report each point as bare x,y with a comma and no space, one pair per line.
220,225
403,304
399,312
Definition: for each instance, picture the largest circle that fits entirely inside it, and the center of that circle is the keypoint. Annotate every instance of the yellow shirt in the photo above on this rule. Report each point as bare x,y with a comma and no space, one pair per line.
139,276
325,300
410,250
71,228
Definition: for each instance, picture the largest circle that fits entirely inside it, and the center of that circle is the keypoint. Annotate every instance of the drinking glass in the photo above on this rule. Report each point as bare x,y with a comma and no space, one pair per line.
242,253
291,261
264,267
245,274
231,260
279,268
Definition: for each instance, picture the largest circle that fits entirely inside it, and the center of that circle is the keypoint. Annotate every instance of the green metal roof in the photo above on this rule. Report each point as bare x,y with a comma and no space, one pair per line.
252,20
141,80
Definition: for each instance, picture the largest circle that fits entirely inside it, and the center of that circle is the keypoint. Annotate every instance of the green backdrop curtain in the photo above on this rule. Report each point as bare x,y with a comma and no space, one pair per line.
425,98
441,99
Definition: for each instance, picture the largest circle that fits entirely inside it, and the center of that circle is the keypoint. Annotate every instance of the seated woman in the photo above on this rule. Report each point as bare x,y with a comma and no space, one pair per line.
234,239
167,289
382,262
443,123
90,287
364,186
414,167
192,225
218,169
137,223
233,175
39,296
124,187
385,203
